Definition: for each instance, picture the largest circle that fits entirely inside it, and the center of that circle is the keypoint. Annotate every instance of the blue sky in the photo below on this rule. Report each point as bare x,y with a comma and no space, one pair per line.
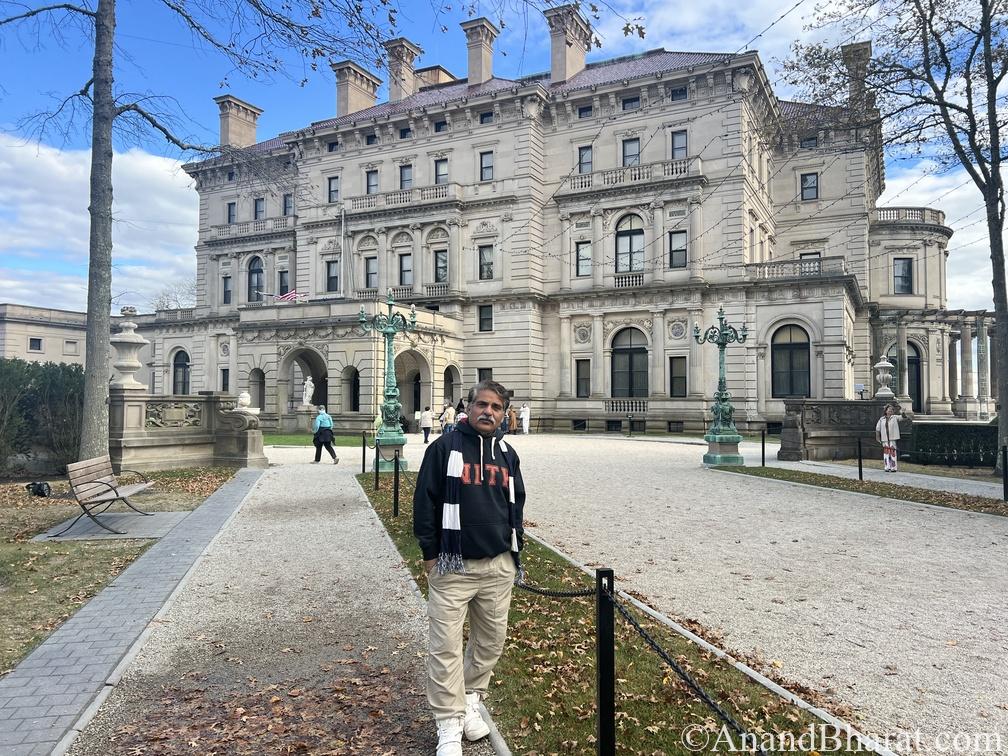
43,185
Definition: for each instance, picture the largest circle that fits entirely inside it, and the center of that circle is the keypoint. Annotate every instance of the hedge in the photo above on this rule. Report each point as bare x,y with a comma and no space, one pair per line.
970,444
41,405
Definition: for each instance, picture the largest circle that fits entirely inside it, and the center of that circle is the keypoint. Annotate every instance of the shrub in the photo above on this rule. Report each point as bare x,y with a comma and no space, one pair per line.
969,444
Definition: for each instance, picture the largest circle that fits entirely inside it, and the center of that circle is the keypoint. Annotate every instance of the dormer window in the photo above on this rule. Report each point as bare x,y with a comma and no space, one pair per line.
333,146
486,117
631,103
809,142
405,133
371,139
440,126
678,93
585,111
230,175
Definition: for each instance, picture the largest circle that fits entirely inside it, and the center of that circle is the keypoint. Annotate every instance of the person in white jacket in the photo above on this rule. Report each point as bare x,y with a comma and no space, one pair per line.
887,433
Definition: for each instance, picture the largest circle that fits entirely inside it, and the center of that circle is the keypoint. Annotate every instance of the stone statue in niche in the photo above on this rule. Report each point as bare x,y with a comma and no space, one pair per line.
309,390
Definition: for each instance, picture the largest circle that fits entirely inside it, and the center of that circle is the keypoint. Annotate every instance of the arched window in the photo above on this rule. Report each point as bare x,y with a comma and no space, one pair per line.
789,359
629,364
256,280
351,390
257,388
180,373
630,244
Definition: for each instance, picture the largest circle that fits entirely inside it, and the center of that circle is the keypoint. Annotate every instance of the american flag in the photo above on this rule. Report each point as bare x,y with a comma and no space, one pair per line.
290,296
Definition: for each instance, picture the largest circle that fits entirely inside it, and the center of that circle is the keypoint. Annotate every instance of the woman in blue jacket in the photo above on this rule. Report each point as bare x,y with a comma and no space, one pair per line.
322,427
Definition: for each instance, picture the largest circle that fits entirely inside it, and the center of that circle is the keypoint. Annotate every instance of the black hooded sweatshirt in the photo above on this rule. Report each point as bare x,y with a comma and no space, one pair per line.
484,510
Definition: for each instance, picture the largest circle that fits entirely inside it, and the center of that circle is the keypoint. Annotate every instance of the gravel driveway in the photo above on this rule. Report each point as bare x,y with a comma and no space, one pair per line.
895,608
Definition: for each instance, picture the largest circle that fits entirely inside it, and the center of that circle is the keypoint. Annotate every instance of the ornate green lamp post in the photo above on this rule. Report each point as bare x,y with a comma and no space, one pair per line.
390,437
722,437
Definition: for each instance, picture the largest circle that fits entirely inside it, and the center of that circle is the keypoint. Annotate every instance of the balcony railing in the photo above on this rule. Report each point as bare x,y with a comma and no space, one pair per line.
437,289
247,228
400,293
629,280
808,268
369,295
626,406
419,194
185,313
908,215
634,174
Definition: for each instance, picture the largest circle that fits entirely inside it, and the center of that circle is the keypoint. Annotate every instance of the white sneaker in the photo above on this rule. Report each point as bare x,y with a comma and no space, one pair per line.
475,728
450,736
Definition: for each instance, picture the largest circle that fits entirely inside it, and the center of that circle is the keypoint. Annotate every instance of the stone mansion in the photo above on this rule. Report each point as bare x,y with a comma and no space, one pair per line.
563,234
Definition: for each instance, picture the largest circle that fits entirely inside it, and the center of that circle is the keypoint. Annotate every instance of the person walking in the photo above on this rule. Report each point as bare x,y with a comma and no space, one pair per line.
887,433
322,430
526,417
448,419
512,421
467,518
426,423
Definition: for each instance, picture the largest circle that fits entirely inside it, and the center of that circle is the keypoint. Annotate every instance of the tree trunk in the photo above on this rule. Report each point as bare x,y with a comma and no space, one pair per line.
94,428
994,230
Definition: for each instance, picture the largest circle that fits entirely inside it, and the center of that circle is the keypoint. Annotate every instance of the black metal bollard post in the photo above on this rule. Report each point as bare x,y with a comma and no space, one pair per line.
363,451
860,468
1004,472
763,448
376,465
605,662
395,486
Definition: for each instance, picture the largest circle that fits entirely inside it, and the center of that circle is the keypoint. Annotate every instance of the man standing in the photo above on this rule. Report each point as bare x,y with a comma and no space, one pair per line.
526,417
467,518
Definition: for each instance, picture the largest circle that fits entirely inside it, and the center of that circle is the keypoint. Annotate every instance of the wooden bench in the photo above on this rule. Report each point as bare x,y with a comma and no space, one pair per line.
95,487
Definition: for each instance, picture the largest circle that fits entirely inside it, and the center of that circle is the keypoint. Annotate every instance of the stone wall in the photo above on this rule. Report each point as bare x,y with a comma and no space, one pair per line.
825,429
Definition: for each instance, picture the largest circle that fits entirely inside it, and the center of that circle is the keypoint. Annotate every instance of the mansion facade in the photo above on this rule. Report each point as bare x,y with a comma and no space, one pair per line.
564,234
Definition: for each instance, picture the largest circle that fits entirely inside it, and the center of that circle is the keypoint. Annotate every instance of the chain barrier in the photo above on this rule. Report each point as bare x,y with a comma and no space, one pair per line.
555,594
685,676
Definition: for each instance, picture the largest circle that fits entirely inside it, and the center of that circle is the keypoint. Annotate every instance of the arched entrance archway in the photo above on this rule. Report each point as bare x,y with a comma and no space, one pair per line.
295,367
257,388
413,377
914,384
452,385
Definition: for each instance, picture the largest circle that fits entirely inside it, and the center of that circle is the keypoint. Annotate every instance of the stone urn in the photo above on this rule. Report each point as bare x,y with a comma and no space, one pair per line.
883,376
127,344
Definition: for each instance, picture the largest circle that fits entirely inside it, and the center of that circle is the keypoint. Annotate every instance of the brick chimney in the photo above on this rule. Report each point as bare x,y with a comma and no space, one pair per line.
402,78
237,121
570,39
356,89
480,36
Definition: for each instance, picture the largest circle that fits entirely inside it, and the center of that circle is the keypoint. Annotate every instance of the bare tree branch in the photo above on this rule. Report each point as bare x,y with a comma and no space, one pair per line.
47,9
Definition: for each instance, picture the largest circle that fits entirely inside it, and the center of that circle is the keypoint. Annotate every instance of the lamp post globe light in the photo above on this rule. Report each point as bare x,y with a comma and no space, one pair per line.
390,436
722,436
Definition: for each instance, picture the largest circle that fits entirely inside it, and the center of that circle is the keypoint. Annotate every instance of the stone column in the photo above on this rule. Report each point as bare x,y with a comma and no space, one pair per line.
567,256
901,357
454,254
657,254
982,385
992,358
418,261
502,254
659,387
943,350
953,366
384,266
598,338
346,269
695,247
565,356
966,388
695,388
597,256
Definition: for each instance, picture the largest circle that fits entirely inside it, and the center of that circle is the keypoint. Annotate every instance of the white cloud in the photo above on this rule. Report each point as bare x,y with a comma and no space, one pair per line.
45,223
968,271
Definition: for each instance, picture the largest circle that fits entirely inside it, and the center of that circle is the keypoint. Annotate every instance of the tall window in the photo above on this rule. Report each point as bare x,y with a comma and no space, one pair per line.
678,145
288,204
231,213
810,186
631,152
371,182
486,271
283,282
180,373
440,266
334,188
332,275
441,171
256,280
582,258
486,317
677,249
903,275
257,387
629,364
486,166
258,208
789,358
371,272
677,371
405,177
582,378
405,270
585,159
630,245
225,379
355,391
484,374
226,290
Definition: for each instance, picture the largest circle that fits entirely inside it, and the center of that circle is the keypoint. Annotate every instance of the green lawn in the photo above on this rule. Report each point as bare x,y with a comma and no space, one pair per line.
543,691
305,439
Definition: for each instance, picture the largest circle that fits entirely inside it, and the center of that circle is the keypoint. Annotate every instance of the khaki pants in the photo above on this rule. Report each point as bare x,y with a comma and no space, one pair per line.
484,593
